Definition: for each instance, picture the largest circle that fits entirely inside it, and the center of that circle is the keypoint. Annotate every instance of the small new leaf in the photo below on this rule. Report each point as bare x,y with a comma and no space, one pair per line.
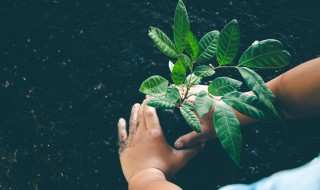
154,86
171,65
223,85
204,71
228,130
193,79
228,43
265,54
162,41
203,103
191,119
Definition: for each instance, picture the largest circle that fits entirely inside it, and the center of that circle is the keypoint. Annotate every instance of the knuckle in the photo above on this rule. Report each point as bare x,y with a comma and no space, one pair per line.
149,112
133,122
155,133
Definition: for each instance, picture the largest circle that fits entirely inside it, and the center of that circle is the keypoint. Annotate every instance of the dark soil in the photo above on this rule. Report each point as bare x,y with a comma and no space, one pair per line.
70,69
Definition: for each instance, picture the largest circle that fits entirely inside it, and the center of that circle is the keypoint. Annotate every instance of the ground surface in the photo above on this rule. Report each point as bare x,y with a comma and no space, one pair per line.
70,69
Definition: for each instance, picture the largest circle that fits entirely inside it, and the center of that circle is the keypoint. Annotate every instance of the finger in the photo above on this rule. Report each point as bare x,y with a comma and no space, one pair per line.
141,120
148,96
122,134
189,140
151,118
134,119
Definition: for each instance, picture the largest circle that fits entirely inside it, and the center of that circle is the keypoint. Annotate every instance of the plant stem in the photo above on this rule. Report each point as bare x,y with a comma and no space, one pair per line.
190,85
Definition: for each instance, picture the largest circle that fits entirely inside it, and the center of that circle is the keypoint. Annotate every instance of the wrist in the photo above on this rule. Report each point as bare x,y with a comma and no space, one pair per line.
145,177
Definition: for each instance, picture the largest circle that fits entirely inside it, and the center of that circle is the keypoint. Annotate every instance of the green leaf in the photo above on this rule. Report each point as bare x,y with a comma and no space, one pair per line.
154,86
193,79
189,106
228,43
204,71
179,72
208,46
203,103
181,26
192,45
265,54
246,104
162,41
160,102
260,89
171,65
191,119
228,130
186,60
172,95
223,85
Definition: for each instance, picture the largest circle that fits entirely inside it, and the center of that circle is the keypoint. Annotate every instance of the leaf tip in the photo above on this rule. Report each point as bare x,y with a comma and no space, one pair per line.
235,21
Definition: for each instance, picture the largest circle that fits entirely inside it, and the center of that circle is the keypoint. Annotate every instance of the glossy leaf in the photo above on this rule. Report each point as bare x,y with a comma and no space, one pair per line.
160,102
154,86
203,103
204,71
189,106
179,72
186,60
228,43
172,95
171,65
193,79
181,26
191,119
246,104
265,54
260,89
192,45
162,41
208,46
223,85
228,130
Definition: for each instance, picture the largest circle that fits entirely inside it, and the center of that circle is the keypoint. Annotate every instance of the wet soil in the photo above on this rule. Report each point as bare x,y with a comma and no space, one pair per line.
70,69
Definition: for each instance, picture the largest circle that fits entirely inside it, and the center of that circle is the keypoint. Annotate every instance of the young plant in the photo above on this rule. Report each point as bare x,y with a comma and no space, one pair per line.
224,45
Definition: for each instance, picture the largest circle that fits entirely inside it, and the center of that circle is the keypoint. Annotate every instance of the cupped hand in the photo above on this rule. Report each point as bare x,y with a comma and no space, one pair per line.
207,129
145,146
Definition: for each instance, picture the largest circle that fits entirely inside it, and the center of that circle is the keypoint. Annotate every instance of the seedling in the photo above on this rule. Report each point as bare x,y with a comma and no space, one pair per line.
191,67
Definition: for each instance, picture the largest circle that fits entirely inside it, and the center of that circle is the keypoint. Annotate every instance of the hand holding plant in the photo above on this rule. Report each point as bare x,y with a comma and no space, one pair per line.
190,69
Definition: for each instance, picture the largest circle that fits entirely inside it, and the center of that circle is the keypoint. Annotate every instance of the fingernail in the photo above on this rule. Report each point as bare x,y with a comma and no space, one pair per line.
178,145
121,120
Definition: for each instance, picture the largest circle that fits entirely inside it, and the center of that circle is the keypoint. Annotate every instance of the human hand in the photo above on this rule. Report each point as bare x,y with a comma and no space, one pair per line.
145,148
207,129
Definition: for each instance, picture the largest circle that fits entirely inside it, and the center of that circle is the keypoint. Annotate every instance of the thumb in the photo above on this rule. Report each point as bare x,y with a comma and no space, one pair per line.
188,140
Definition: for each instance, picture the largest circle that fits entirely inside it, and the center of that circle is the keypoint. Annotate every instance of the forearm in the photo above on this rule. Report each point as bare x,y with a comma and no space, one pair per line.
151,179
297,91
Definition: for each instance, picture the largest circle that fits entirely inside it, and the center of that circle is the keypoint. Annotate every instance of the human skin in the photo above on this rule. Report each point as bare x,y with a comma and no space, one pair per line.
148,161
297,91
146,158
